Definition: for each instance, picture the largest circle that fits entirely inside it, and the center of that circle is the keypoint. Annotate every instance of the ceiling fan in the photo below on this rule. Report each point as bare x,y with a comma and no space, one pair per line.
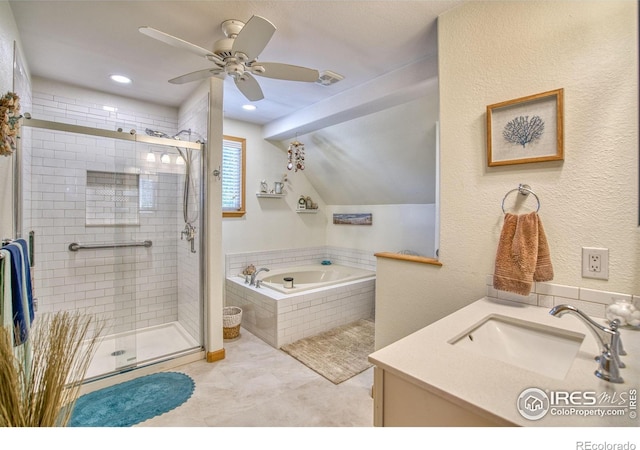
236,55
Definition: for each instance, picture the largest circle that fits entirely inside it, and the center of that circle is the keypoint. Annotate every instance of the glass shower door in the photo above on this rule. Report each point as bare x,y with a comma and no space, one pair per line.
119,237
79,194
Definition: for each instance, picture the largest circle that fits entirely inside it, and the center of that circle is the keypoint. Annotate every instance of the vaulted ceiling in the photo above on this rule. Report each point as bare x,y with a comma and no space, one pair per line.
385,50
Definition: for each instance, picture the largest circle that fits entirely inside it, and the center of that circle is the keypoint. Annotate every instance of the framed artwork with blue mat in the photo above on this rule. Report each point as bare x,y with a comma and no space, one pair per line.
132,402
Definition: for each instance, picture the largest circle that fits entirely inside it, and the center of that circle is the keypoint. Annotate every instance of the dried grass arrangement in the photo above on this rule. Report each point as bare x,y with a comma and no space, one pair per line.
40,390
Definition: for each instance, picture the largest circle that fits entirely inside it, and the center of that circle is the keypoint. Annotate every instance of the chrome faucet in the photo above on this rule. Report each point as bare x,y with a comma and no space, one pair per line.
254,274
609,338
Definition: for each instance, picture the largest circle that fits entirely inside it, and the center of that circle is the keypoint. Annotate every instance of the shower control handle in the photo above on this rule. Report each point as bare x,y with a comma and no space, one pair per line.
189,233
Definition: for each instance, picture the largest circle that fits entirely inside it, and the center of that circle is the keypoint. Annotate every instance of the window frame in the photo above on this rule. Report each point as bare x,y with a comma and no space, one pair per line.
240,212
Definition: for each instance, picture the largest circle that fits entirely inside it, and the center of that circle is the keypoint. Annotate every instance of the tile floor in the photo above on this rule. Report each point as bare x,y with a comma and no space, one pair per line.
257,385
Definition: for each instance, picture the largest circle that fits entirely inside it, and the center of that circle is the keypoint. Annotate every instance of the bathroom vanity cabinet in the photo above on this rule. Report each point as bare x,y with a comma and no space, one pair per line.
424,379
399,402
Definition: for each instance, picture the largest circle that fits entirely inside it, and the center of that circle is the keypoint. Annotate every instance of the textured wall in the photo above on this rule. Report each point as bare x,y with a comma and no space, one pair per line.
491,51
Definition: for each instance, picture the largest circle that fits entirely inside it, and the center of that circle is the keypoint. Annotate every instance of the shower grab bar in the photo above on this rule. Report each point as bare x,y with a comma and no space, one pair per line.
74,246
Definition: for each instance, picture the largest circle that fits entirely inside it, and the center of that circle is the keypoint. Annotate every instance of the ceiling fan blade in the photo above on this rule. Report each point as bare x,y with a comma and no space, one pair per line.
179,43
254,37
288,72
249,87
197,75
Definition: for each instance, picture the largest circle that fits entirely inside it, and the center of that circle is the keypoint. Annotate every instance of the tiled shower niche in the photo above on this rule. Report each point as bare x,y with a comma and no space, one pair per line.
112,198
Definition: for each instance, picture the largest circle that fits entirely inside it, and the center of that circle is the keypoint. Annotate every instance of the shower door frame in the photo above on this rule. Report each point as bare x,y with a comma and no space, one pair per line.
132,136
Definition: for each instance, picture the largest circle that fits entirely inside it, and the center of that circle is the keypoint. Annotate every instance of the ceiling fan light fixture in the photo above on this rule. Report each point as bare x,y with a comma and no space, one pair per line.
236,56
234,69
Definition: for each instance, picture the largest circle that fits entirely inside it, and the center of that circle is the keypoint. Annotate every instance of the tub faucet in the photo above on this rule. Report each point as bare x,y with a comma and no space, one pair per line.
609,338
254,274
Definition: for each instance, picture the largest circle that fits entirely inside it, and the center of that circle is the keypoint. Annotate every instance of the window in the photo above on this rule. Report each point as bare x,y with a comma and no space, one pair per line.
233,183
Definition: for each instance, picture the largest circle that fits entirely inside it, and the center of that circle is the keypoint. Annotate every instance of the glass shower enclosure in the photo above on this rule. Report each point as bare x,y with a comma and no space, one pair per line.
116,218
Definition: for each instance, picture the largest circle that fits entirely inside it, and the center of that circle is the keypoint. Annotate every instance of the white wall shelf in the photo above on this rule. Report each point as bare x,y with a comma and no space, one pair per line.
306,211
265,195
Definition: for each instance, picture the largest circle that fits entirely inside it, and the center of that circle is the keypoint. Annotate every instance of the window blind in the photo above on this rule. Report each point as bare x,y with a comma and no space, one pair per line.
231,175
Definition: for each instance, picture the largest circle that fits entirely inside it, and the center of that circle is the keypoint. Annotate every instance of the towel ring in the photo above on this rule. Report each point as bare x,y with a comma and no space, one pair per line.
523,189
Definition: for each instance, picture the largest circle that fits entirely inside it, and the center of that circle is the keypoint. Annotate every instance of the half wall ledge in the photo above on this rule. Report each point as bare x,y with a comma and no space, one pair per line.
409,258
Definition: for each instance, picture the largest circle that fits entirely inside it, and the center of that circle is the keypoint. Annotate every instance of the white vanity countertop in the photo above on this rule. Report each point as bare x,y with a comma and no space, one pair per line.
491,388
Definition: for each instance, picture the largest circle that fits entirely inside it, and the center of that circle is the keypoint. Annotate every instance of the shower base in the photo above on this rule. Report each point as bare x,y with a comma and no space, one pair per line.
145,346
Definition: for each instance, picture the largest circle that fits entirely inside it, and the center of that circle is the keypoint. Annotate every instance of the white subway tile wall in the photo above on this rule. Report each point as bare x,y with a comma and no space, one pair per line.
133,287
190,308
235,263
593,302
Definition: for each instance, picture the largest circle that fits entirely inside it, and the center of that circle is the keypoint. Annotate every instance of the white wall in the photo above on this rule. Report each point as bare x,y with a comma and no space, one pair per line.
395,228
491,51
271,223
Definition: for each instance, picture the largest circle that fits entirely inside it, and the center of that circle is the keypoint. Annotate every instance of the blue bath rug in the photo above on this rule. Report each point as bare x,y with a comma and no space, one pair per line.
132,402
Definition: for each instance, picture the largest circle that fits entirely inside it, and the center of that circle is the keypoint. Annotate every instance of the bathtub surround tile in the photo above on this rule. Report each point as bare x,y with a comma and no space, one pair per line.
280,319
547,295
235,263
322,311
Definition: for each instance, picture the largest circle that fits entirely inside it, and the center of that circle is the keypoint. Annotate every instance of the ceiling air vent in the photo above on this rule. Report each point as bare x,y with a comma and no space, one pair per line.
328,77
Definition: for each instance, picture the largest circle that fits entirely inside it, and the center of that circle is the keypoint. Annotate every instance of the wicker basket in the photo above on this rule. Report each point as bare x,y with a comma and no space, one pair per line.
231,318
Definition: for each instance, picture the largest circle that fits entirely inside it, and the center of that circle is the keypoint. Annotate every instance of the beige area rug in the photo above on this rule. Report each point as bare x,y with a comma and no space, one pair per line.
337,354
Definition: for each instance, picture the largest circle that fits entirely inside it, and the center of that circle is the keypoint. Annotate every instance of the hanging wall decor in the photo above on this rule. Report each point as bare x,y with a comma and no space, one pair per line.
9,123
295,154
353,219
526,130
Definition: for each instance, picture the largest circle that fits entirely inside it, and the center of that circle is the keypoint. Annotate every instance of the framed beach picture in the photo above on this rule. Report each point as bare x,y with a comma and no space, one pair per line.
526,130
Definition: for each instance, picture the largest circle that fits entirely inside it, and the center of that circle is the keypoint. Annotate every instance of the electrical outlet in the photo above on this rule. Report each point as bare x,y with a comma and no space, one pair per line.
595,263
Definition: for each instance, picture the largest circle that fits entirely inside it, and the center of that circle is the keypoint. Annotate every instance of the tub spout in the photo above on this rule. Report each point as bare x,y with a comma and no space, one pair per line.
254,274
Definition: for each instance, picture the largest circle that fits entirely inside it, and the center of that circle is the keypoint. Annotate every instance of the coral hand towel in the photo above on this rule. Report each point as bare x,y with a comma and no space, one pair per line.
523,254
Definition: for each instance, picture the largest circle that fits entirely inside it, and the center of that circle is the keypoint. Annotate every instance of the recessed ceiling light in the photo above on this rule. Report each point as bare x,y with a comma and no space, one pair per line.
249,107
120,79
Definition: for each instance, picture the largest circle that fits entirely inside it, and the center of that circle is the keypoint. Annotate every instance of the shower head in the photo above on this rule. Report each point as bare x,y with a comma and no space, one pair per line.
189,132
156,133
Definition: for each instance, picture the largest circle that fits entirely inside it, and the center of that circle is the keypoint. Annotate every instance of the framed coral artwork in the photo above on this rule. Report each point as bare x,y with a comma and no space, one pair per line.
526,130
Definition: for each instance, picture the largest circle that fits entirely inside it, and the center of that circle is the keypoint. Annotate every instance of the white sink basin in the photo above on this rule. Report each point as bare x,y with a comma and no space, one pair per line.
539,348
